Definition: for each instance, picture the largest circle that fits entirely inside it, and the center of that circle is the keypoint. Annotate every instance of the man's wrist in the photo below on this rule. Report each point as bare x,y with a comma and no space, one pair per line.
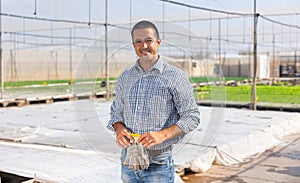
118,125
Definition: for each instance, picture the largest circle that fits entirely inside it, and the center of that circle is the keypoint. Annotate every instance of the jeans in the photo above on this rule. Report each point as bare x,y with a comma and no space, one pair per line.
161,170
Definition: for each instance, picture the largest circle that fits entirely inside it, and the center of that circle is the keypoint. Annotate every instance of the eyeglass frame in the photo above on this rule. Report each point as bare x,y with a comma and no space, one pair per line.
140,42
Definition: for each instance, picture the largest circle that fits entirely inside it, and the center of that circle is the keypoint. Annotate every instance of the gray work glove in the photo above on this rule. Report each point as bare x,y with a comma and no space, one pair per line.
137,157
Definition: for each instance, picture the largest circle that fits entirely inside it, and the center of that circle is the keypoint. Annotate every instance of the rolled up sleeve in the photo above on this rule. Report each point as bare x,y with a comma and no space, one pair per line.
189,115
116,109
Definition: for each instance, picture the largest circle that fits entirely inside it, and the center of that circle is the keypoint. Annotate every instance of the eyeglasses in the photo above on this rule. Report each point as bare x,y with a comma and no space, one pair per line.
139,42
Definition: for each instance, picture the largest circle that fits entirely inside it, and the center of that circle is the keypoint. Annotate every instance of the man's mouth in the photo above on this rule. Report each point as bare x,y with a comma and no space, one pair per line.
145,52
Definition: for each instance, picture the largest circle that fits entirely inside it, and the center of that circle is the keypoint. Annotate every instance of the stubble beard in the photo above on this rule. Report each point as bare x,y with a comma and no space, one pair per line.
150,58
147,58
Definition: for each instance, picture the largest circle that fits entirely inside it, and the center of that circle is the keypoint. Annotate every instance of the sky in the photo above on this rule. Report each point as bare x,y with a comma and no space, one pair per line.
24,30
121,12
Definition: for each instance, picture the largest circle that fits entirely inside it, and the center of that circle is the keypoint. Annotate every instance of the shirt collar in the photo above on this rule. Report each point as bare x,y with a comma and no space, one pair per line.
158,66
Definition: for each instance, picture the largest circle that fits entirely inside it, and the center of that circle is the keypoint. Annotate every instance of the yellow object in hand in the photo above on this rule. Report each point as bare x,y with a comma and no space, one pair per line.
135,136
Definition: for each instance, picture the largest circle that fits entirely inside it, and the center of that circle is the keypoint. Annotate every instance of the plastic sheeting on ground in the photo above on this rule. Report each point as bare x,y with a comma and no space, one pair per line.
244,134
68,141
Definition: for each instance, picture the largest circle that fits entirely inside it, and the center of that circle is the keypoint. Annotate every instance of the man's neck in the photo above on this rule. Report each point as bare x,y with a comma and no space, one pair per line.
146,64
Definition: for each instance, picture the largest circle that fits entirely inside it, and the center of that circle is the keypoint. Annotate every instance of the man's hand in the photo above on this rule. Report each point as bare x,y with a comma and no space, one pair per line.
151,139
123,137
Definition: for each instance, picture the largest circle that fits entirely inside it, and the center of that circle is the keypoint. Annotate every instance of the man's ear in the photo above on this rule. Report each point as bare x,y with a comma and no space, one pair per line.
158,41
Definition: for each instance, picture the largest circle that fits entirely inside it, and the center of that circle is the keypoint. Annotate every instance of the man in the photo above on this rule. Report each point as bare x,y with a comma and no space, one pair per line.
155,100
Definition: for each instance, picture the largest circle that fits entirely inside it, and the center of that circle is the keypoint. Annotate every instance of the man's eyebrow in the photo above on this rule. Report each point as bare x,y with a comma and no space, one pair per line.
147,38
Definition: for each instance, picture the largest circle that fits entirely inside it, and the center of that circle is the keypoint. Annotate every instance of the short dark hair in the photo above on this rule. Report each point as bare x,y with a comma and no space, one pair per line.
143,24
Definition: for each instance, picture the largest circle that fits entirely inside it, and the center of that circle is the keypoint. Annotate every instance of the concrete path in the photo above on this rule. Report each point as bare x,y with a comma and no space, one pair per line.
280,164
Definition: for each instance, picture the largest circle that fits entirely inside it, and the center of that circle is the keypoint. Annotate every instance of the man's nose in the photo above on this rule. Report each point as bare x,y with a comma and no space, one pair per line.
144,45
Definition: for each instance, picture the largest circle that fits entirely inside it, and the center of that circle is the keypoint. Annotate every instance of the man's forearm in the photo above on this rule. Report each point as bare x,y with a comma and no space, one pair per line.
172,132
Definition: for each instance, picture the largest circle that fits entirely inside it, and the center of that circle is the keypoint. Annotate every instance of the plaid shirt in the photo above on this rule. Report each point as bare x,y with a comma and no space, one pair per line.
154,100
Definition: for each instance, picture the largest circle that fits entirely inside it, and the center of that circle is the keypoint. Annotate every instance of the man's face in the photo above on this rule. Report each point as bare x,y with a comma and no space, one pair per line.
145,44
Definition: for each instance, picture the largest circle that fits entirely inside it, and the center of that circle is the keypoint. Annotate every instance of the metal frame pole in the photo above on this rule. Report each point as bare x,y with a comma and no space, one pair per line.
1,61
254,58
106,52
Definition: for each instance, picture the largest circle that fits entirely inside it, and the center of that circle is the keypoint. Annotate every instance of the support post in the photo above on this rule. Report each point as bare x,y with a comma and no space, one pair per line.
106,52
1,61
253,93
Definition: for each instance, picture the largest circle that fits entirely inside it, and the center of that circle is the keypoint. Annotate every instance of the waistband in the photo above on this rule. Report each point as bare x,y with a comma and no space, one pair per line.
159,151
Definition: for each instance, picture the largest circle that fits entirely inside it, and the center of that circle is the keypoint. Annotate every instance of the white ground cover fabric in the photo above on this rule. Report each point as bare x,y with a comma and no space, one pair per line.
244,134
68,141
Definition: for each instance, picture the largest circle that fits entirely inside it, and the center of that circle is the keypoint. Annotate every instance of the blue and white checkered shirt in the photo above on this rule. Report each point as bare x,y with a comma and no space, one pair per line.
154,100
